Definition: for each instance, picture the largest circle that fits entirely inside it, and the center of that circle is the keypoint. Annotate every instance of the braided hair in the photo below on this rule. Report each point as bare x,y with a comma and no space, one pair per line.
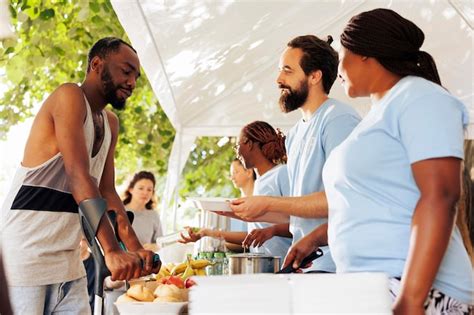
270,141
391,39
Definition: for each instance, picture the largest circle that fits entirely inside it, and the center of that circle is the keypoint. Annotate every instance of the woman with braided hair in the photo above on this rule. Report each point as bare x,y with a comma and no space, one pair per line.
393,184
262,148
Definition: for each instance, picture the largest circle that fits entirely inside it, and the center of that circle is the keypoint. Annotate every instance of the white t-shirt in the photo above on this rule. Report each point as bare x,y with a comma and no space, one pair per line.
147,226
371,190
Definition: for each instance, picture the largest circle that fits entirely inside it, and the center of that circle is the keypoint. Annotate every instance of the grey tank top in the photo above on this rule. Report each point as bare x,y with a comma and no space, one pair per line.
39,224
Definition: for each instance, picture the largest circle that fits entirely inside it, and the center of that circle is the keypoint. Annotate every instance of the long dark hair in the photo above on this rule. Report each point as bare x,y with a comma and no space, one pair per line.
139,176
270,141
391,39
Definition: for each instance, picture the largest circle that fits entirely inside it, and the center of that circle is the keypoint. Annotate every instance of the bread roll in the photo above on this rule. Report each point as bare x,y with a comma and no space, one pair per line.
172,291
140,293
124,298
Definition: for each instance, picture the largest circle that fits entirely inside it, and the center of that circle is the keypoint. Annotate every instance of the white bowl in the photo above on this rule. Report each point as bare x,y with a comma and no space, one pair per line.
212,204
148,308
175,253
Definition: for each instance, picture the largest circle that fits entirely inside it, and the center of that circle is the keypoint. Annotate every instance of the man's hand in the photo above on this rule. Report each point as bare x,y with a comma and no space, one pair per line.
300,250
257,237
250,208
146,257
123,265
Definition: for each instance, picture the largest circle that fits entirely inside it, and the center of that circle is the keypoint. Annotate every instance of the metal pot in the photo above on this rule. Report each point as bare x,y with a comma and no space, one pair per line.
250,263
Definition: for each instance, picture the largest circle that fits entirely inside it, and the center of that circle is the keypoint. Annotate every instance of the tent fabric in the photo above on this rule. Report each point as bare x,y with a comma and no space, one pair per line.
213,64
5,27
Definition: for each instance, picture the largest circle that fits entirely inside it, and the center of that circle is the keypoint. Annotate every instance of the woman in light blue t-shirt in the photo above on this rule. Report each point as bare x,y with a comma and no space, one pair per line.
393,184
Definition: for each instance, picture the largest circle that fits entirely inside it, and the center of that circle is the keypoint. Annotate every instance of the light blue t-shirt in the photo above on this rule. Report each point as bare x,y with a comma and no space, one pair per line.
371,190
273,183
308,145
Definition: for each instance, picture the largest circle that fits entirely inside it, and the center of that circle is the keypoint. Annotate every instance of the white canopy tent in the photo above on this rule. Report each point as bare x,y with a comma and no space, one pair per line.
5,27
213,64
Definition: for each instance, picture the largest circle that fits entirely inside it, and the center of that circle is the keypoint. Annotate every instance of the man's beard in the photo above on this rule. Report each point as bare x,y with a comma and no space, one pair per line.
294,99
110,90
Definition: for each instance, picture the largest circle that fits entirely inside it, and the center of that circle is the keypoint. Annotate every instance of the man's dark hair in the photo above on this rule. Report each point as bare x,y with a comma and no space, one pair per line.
105,46
317,55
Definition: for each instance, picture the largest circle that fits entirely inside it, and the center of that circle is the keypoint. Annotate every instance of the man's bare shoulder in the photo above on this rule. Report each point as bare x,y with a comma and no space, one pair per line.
113,123
68,90
68,98
113,118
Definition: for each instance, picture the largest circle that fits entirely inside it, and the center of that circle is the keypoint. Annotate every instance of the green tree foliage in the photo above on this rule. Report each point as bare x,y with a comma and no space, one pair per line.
51,45
212,162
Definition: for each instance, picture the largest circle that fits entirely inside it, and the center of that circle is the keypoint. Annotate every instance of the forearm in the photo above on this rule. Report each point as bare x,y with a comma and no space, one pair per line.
309,206
82,186
125,230
231,237
235,248
432,226
282,230
320,235
273,217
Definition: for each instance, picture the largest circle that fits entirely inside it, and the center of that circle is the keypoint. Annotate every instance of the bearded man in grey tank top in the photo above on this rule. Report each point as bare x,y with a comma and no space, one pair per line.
69,158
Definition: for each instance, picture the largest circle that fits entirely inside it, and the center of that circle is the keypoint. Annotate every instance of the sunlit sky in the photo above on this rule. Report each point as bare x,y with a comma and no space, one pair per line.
12,153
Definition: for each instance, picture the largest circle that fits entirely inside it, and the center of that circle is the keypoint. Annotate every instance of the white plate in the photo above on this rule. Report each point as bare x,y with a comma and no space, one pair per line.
148,308
212,204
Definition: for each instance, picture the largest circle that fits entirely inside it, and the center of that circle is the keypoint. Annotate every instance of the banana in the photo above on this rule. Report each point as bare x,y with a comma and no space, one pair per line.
168,267
165,272
200,272
200,263
188,272
162,273
179,268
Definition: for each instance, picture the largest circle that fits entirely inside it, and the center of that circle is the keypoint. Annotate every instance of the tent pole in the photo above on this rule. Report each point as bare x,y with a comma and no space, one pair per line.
178,173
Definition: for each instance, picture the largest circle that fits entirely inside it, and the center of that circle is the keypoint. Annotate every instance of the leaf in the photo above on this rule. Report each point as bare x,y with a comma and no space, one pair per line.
165,145
96,19
15,71
22,17
9,42
106,7
94,6
47,14
59,50
82,15
12,11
